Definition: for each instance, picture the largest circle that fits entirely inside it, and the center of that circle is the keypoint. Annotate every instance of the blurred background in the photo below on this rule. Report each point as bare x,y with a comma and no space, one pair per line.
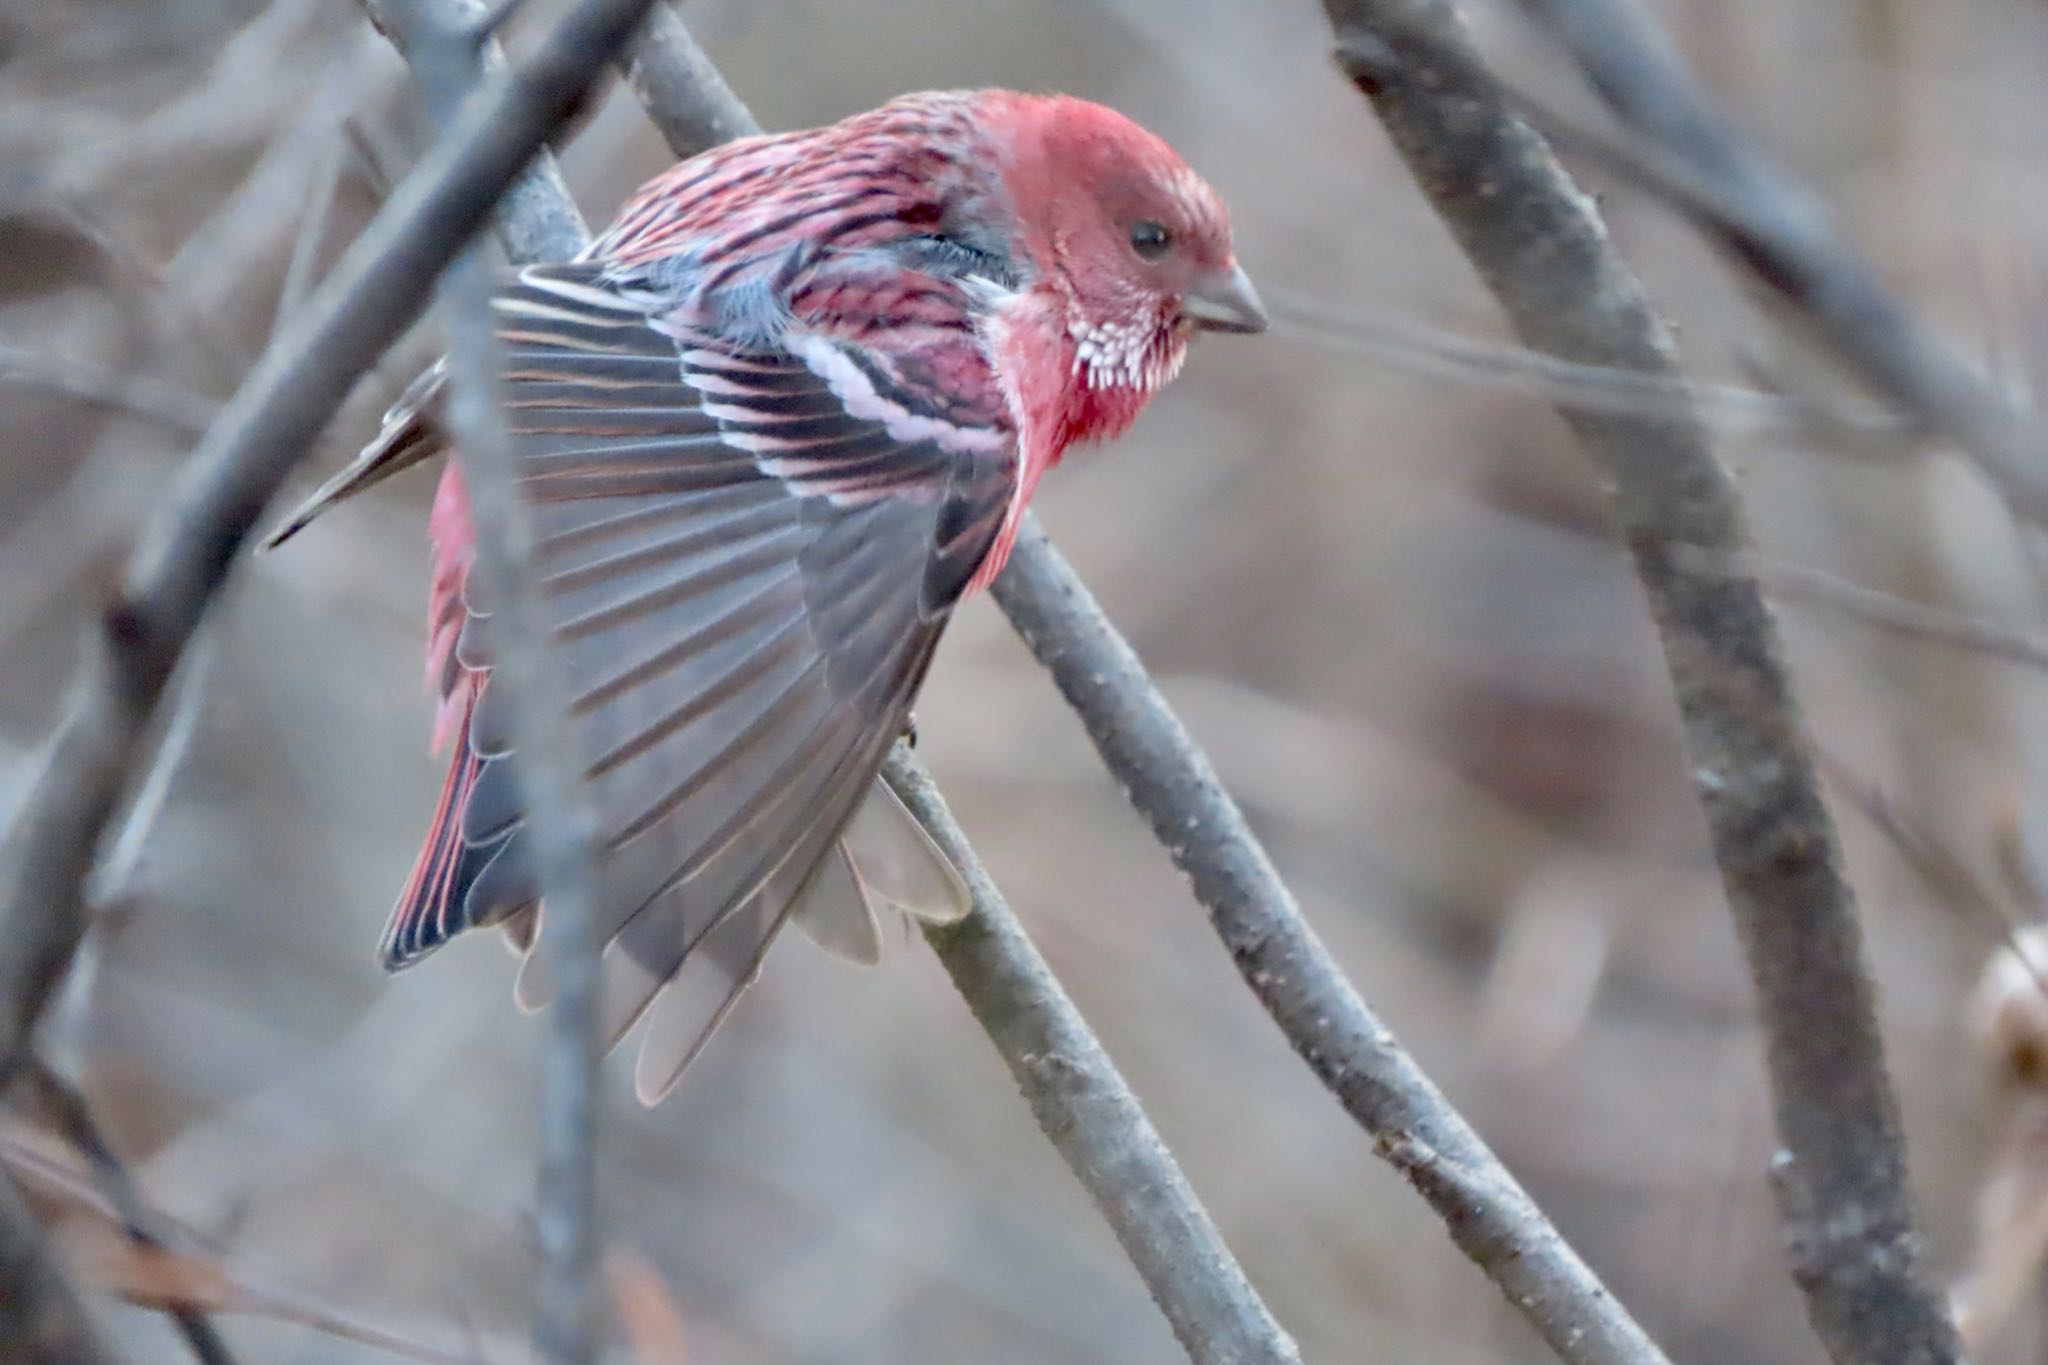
1382,594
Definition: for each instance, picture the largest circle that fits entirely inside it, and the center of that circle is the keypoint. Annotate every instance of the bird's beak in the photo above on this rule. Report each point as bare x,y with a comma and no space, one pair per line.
1224,301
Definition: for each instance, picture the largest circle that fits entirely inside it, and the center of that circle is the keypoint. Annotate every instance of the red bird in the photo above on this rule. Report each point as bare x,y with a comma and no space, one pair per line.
772,426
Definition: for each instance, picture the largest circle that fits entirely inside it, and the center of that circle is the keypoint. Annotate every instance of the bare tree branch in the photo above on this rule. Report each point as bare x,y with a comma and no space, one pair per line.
1789,582
300,269
1773,225
445,54
114,874
536,220
561,826
682,90
41,1319
75,1119
1438,354
187,1269
1539,245
1084,1106
172,406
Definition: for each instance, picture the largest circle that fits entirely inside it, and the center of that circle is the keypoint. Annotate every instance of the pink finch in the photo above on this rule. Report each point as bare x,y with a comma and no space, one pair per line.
772,426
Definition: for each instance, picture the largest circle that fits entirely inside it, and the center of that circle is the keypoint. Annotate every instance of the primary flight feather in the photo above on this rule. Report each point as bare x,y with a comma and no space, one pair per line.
773,425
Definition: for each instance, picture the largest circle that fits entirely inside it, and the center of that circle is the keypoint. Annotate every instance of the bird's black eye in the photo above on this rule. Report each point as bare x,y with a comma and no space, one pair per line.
1150,240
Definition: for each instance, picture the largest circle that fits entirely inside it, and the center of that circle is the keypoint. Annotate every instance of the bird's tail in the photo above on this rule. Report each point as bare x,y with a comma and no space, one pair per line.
433,907
410,434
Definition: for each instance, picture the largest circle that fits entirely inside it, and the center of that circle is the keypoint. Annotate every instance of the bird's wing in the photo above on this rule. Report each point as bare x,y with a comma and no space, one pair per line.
746,555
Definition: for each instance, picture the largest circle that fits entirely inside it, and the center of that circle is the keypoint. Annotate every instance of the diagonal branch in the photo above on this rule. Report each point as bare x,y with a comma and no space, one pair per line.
1084,1106
1786,581
180,1268
41,1318
1442,355
1540,247
138,1222
685,95
1702,165
172,406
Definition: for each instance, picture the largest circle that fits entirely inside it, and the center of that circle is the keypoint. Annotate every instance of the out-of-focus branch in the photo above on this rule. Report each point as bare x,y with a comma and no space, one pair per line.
312,233
41,1318
1539,245
171,406
114,876
683,92
75,1120
1172,783
536,220
1084,1106
1488,1214
445,50
364,304
1956,888
186,1269
1789,582
1437,354
1770,222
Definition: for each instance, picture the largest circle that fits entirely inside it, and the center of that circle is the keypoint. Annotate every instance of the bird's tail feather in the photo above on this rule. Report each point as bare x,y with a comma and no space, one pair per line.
882,860
410,434
431,910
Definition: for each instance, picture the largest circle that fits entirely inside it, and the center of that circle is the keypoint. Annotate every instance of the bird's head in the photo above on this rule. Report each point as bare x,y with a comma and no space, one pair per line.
1135,245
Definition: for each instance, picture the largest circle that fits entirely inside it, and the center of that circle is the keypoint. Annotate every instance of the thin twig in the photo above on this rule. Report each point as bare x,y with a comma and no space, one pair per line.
1437,354
1771,223
1537,242
191,688
1789,582
1956,888
301,269
194,1270
445,54
371,152
1506,1234
41,1318
1084,1106
138,1222
363,305
171,406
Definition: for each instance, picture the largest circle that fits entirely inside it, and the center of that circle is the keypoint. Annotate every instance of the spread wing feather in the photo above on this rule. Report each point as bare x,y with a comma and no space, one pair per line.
745,580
